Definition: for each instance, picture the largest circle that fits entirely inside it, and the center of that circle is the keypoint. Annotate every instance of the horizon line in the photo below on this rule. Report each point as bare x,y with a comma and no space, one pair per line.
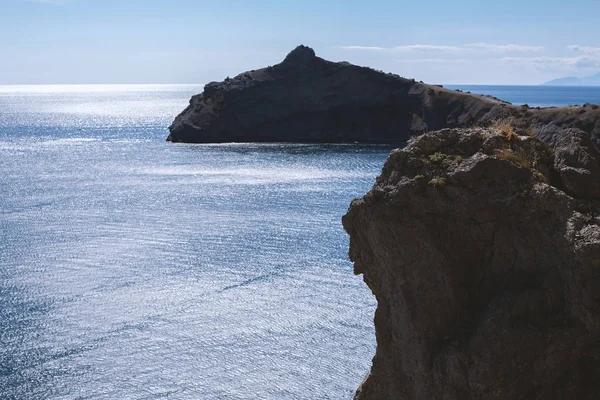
200,84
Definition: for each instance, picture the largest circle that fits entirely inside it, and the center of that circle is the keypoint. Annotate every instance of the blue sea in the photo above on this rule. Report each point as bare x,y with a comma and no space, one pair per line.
133,268
537,96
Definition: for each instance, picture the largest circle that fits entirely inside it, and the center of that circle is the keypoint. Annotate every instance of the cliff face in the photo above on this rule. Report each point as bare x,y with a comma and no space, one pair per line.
483,251
308,99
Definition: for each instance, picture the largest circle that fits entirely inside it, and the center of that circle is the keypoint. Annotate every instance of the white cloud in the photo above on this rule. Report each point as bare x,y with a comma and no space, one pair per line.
587,62
506,48
367,48
589,57
426,47
557,63
411,47
435,60
585,49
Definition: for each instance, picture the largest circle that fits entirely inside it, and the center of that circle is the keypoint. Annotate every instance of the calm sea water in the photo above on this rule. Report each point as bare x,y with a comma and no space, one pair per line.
132,268
538,96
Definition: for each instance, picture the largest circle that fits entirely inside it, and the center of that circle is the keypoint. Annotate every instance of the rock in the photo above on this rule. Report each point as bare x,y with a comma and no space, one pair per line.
299,58
308,99
578,164
484,256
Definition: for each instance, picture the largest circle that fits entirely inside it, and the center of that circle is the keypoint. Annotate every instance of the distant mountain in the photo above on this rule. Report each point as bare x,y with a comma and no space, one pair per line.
593,80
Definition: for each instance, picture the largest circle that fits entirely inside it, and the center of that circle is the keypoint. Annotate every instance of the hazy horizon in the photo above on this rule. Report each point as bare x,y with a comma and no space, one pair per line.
91,87
185,42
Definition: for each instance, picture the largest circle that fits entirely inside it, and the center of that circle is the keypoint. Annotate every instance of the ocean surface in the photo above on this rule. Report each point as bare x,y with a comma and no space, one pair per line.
133,268
537,96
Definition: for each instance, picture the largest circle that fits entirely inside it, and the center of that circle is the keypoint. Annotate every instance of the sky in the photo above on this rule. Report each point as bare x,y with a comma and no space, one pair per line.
524,42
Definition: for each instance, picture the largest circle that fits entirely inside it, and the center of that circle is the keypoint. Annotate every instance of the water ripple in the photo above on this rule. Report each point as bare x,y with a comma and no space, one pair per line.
134,268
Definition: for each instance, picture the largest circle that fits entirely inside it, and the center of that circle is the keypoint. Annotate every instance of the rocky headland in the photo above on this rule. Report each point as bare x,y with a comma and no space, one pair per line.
480,240
482,248
308,99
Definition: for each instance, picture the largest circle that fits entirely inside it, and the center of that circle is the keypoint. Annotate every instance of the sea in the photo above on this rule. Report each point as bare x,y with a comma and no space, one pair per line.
537,96
134,268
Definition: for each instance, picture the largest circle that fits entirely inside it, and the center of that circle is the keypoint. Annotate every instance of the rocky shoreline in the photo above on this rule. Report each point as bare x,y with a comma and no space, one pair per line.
482,247
308,99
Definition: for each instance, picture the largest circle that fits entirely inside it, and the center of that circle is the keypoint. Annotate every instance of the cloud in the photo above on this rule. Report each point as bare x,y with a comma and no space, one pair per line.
435,60
587,62
557,63
589,57
585,49
367,48
426,47
411,47
498,48
506,48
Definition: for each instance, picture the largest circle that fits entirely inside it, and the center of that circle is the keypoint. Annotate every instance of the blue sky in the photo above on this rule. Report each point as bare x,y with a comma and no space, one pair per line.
185,41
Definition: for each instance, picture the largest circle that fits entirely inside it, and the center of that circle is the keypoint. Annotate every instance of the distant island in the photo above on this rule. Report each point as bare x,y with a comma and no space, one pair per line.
311,100
593,80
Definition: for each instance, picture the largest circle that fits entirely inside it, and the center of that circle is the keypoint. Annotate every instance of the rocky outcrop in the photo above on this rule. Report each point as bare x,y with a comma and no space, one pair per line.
483,252
308,99
578,164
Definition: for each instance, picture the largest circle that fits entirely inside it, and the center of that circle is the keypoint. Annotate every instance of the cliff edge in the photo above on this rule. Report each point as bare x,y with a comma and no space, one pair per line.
482,249
308,99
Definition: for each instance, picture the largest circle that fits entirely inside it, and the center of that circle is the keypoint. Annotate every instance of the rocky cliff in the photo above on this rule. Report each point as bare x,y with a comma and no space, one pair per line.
482,248
308,99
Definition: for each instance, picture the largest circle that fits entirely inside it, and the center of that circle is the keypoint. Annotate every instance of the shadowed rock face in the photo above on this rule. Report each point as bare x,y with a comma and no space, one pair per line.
308,99
484,257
